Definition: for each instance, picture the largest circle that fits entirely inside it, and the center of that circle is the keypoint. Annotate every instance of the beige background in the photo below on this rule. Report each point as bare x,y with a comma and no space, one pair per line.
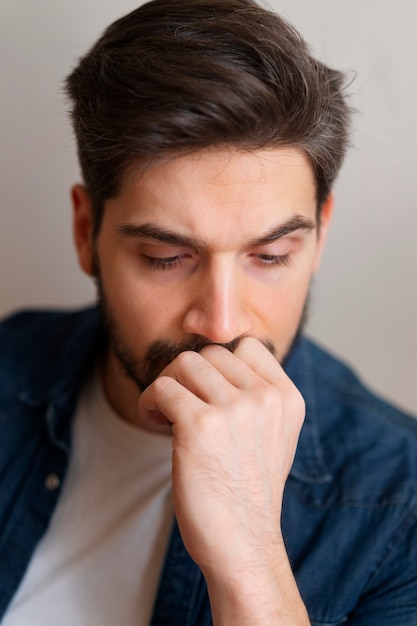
365,299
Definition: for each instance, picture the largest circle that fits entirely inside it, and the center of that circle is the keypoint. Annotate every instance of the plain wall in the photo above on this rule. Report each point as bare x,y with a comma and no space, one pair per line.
365,297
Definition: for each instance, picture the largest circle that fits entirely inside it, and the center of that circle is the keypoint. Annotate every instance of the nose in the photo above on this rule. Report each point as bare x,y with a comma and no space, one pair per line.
218,309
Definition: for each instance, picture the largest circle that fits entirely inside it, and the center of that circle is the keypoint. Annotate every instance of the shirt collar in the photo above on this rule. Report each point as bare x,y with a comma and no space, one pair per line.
55,385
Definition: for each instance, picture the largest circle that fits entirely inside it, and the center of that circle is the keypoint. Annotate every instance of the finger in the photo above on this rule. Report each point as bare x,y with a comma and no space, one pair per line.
261,360
236,371
200,376
167,399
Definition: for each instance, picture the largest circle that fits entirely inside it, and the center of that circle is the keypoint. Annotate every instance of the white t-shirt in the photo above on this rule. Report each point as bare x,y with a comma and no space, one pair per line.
100,560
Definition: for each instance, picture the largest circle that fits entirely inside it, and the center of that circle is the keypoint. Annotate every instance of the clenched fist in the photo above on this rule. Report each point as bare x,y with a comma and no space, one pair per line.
235,418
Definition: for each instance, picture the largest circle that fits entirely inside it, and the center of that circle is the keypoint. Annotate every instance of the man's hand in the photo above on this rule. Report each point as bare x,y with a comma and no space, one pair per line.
235,421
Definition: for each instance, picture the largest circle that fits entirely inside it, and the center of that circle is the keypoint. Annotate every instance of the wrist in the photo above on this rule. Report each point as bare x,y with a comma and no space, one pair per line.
261,592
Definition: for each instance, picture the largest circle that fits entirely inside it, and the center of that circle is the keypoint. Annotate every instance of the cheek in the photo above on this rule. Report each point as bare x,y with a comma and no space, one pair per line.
144,313
285,305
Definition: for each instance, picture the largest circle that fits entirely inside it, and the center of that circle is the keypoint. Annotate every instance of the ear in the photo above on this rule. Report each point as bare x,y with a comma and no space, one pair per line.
83,227
325,218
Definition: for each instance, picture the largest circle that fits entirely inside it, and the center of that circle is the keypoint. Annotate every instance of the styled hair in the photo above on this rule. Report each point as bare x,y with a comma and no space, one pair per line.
177,76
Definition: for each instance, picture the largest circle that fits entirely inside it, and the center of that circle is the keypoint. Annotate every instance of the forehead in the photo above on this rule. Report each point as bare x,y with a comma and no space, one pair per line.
221,189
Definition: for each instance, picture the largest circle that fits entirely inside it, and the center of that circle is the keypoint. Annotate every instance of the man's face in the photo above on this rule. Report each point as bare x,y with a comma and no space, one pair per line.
207,247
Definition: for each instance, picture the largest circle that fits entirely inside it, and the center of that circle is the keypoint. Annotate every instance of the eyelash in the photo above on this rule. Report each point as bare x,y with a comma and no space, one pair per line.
168,263
273,260
163,263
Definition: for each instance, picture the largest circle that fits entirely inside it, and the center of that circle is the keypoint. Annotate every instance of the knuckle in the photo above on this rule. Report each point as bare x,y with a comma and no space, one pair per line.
246,343
186,358
288,400
297,404
211,348
162,384
208,426
269,397
248,340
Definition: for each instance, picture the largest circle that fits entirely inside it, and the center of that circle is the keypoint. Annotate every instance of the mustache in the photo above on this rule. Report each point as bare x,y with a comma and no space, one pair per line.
161,352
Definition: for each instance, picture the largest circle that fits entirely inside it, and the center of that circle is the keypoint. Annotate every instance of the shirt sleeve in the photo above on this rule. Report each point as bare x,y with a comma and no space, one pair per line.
390,598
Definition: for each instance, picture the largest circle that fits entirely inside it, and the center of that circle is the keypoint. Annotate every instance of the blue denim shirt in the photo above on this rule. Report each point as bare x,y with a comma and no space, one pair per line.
350,506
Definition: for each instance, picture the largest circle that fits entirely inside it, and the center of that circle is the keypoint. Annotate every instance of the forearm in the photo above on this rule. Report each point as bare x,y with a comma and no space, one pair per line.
259,594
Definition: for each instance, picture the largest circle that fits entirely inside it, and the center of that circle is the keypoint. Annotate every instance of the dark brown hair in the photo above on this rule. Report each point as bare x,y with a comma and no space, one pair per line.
181,75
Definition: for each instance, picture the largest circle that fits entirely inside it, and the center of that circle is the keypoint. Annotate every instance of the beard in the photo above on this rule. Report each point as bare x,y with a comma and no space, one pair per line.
160,353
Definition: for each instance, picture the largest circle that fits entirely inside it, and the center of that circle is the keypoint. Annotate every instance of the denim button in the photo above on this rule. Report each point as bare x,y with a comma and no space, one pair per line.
52,482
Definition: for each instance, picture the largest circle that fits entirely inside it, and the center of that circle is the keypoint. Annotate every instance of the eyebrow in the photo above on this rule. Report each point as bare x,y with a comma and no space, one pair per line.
298,222
152,231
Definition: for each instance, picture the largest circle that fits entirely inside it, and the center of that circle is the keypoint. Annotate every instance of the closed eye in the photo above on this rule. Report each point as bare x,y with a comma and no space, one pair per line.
272,260
164,263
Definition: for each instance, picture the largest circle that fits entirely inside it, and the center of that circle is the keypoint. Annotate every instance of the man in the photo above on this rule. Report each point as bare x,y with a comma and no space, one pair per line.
209,139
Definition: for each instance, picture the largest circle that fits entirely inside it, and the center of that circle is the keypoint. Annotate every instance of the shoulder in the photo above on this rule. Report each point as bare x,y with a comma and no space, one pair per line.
360,514
368,443
340,387
36,345
37,325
